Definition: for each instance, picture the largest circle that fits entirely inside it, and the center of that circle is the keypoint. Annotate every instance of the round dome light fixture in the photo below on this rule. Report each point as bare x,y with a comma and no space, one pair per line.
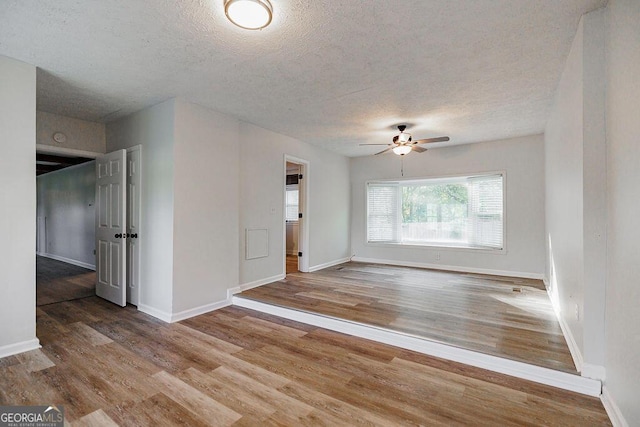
401,150
249,14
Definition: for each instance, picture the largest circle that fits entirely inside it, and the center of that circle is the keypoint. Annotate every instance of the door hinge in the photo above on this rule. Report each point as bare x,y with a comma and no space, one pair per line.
299,253
300,215
300,176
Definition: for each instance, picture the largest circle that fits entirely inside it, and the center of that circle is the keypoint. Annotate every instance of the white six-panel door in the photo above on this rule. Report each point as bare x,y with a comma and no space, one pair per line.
111,227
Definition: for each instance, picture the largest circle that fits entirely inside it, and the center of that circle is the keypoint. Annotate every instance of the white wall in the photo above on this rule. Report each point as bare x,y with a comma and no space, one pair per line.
206,201
153,128
262,186
523,161
17,206
81,134
65,198
623,186
576,195
563,170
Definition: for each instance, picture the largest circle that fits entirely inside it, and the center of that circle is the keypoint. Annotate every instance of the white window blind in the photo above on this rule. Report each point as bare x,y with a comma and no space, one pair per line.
486,211
291,204
464,211
383,212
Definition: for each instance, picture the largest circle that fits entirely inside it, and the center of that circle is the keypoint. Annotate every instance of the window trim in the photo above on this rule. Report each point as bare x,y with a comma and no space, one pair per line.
431,246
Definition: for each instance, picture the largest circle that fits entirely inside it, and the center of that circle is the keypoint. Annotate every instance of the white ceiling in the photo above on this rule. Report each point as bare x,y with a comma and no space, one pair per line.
332,73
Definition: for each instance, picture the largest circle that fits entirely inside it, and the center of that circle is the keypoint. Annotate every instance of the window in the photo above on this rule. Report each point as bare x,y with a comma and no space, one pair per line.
291,213
462,211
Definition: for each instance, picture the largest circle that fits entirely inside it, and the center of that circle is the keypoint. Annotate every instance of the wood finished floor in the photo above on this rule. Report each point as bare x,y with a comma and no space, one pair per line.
291,264
58,281
117,366
472,311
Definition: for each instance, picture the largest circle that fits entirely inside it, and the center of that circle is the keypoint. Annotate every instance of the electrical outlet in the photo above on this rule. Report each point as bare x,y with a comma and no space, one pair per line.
437,256
577,312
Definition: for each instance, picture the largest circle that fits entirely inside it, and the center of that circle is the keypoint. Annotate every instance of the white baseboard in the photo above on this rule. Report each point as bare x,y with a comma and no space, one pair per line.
152,311
328,264
597,372
246,286
186,314
617,419
457,268
19,347
576,354
68,260
537,374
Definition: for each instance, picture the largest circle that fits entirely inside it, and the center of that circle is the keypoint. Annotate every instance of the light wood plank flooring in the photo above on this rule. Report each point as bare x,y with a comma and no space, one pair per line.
113,366
292,264
501,316
58,281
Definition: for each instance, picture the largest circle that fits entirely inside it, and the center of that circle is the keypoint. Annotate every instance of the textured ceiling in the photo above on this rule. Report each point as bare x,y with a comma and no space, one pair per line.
332,73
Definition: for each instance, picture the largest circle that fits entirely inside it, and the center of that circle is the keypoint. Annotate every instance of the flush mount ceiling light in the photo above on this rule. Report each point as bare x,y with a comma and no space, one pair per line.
249,14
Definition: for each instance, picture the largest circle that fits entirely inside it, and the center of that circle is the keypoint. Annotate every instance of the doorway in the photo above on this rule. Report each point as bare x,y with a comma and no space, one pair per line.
68,257
65,193
296,172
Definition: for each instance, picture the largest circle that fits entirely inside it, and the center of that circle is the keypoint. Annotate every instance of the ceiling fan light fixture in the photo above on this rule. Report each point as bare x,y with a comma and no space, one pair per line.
404,137
401,150
249,14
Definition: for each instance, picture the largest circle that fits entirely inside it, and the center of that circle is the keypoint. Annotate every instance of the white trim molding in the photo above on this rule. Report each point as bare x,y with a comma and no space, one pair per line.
617,419
19,347
152,311
513,368
457,268
186,314
328,264
246,286
51,149
574,349
68,260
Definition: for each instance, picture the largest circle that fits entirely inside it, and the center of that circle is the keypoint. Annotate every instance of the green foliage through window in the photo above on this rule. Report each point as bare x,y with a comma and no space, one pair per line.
463,211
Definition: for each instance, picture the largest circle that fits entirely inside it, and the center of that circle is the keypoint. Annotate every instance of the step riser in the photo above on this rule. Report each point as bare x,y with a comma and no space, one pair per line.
538,374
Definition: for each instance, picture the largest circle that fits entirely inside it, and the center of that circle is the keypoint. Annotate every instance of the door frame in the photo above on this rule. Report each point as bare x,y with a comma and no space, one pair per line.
139,243
303,207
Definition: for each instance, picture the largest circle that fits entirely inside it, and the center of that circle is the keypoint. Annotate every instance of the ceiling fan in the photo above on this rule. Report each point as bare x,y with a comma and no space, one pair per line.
403,143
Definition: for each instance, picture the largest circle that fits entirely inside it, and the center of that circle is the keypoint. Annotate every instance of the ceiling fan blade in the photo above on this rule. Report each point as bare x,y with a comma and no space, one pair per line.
418,149
428,140
384,151
374,144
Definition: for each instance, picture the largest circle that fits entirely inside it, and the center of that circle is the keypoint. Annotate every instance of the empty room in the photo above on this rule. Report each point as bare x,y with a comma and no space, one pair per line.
278,212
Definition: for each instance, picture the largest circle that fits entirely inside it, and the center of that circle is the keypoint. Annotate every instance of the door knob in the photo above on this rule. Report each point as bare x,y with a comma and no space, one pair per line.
118,236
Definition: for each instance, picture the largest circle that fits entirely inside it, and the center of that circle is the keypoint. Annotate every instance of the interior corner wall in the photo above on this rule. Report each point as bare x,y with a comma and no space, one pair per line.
623,234
575,173
17,206
206,202
153,128
262,187
563,182
81,134
65,200
521,158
